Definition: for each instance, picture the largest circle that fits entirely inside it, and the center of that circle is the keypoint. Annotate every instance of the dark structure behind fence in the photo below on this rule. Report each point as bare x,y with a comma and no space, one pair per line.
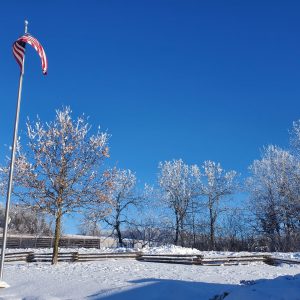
66,242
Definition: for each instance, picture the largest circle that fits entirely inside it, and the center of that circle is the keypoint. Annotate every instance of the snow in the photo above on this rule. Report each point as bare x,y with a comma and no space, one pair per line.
167,249
128,279
281,288
170,249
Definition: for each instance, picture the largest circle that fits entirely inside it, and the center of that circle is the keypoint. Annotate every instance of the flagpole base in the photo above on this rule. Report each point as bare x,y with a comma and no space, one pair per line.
3,284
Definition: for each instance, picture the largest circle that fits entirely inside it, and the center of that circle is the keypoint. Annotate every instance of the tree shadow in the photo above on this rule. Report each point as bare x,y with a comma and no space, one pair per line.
285,287
166,289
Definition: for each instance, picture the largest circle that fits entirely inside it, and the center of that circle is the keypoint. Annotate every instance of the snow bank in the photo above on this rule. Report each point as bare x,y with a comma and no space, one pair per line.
79,250
170,249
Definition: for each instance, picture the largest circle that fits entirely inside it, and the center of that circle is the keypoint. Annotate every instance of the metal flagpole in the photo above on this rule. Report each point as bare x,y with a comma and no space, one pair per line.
11,171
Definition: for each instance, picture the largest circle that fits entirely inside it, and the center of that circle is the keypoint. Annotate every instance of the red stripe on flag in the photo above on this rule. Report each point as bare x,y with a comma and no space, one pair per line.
19,51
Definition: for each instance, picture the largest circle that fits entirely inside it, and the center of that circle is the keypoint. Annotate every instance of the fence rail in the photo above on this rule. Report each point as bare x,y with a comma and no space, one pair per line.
19,256
233,260
102,256
172,258
277,261
47,257
156,258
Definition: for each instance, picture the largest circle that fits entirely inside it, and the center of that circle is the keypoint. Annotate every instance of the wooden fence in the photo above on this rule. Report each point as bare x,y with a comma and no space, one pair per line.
156,258
47,257
79,257
233,260
172,258
277,261
101,256
18,256
14,242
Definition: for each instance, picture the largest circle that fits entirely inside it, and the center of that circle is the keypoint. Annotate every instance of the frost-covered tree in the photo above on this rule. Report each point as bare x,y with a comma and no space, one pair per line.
149,226
122,197
89,226
235,229
295,138
274,188
59,170
216,184
26,220
147,231
179,184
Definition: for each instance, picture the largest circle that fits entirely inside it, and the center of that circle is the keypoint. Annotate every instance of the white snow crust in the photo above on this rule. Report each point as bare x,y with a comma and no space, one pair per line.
128,279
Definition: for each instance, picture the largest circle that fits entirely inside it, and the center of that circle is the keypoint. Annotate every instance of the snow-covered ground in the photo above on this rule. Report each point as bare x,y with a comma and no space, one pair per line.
128,279
168,249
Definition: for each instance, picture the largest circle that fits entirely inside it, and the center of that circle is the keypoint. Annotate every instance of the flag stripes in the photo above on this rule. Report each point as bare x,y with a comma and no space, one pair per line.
19,51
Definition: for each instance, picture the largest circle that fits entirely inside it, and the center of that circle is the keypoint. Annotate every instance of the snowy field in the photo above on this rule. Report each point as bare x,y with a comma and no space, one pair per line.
128,279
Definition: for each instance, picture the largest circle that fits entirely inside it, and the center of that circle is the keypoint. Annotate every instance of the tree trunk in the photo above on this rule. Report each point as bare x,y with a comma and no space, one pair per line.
288,226
56,237
193,227
119,234
181,233
212,229
176,230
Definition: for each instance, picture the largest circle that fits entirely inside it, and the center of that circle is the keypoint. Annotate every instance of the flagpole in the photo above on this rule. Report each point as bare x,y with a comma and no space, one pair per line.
11,171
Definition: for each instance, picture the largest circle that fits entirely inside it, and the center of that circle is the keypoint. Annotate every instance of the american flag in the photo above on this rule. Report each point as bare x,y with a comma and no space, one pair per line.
19,51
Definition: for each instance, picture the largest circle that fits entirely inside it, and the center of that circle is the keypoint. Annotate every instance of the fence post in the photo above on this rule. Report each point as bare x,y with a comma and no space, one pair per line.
75,256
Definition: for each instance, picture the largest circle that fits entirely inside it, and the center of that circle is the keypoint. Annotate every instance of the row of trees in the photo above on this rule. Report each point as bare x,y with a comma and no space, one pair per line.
187,190
60,170
210,208
25,220
275,198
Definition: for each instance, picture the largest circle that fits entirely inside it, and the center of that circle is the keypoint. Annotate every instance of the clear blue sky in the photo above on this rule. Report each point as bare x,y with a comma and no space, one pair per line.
195,80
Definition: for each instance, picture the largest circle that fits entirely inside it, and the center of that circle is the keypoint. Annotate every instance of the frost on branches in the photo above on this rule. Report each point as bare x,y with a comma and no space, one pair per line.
179,184
122,197
25,220
184,187
216,184
274,188
58,172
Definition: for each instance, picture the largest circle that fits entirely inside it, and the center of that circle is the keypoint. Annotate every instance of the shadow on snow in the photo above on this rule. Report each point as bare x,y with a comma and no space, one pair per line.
165,289
283,287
